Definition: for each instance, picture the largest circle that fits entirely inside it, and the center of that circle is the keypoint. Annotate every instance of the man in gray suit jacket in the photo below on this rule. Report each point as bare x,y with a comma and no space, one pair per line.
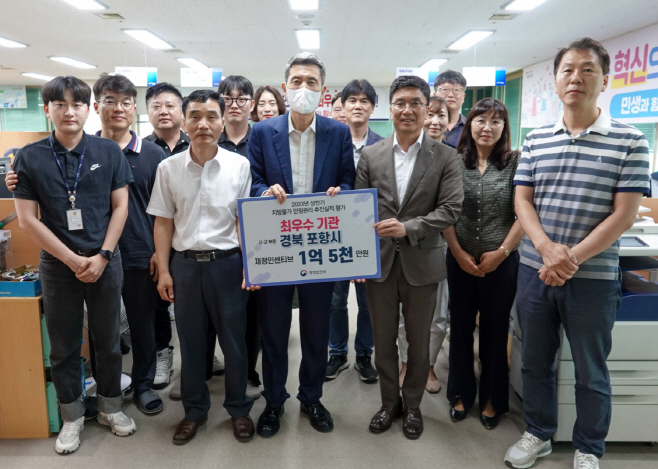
420,194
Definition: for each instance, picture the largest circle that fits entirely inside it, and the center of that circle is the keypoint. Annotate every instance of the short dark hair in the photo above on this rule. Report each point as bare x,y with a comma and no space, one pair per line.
450,76
336,97
55,89
305,58
586,43
235,82
160,88
280,103
116,83
438,102
410,81
202,96
356,87
502,153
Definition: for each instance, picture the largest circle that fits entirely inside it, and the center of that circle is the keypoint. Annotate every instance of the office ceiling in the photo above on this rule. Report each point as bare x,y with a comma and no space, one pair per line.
360,38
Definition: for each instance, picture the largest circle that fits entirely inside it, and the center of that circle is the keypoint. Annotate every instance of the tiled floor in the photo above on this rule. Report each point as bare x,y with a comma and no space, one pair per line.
444,444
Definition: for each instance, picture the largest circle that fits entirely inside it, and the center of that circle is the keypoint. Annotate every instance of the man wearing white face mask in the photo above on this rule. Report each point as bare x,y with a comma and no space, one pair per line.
298,153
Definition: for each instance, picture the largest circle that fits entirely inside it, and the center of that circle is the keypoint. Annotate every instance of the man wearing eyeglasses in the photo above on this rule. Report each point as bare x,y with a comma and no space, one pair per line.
237,93
419,194
451,86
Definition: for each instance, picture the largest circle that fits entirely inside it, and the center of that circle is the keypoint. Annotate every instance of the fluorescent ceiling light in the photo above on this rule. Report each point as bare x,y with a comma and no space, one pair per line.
148,38
86,4
193,63
433,64
469,39
523,5
72,62
304,4
38,76
10,43
308,38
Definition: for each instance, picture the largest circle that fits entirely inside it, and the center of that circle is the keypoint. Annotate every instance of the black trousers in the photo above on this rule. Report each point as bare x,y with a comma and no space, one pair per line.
252,338
276,317
141,298
493,296
162,325
210,292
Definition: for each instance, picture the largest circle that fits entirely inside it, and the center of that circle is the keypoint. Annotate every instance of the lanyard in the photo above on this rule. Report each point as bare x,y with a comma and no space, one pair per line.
70,192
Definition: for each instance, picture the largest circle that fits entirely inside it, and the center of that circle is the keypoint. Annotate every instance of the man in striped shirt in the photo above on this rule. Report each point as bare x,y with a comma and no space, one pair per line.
578,188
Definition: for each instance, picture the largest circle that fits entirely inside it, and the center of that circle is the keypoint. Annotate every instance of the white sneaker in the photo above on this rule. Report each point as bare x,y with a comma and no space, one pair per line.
68,439
585,461
253,390
163,368
526,451
119,423
217,366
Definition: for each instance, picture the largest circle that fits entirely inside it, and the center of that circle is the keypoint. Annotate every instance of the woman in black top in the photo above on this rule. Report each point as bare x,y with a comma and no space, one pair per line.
482,263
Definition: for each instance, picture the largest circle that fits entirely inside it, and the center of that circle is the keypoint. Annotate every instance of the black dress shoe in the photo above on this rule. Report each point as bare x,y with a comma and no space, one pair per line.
186,430
489,422
320,417
383,419
412,424
269,421
457,415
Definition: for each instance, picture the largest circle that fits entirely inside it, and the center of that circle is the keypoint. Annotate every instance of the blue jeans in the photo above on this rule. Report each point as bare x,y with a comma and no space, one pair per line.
339,323
587,309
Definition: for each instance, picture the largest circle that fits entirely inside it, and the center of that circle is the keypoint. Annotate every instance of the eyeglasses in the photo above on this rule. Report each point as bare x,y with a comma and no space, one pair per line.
402,105
494,124
456,92
113,102
240,101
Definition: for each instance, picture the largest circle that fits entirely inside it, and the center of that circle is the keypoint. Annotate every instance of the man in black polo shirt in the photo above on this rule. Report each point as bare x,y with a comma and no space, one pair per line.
164,105
237,92
115,103
80,185
451,86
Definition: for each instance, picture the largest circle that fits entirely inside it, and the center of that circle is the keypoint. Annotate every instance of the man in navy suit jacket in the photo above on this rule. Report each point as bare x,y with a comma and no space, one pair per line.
358,100
300,152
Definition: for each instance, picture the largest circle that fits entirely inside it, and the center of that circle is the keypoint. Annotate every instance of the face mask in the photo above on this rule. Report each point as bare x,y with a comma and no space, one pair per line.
303,100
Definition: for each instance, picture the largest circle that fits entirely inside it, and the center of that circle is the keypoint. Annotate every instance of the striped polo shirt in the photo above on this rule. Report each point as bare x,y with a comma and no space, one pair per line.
575,179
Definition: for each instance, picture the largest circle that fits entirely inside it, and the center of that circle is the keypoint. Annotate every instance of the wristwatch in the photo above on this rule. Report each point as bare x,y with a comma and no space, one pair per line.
107,254
504,250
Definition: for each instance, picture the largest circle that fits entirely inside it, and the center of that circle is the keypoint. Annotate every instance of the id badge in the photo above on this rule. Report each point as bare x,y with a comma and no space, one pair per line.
74,217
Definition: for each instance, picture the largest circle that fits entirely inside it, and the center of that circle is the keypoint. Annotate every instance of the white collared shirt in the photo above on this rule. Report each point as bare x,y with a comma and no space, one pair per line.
302,156
404,163
203,201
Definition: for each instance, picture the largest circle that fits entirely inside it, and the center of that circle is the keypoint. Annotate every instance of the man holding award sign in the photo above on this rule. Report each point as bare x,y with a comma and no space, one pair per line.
299,153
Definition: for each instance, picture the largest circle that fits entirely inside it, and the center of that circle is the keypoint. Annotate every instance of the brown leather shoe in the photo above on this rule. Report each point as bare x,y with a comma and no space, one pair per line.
383,419
186,430
243,428
412,425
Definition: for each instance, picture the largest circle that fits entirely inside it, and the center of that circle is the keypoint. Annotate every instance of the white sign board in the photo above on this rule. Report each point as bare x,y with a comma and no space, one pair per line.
309,238
13,97
140,76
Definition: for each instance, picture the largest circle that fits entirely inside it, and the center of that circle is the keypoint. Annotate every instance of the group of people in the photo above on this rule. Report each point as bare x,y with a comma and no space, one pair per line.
440,177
